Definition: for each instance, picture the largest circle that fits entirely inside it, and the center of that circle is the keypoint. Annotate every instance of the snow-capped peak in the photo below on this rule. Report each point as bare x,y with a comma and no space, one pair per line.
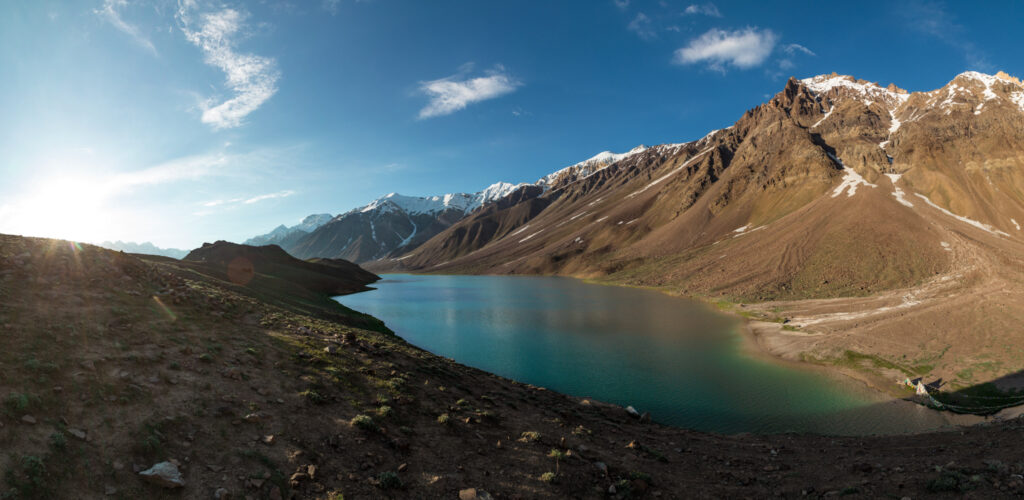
869,91
311,222
589,166
463,202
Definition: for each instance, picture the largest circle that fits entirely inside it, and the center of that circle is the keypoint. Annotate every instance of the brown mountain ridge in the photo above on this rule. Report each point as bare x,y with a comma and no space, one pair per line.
855,207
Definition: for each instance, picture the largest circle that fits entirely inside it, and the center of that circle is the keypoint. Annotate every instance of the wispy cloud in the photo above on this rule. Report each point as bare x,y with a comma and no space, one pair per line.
932,19
794,48
785,63
743,49
269,196
454,93
331,6
622,4
244,200
643,27
252,78
110,11
707,9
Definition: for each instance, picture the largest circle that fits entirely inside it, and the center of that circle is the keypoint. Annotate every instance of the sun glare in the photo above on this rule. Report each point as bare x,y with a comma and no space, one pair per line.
66,208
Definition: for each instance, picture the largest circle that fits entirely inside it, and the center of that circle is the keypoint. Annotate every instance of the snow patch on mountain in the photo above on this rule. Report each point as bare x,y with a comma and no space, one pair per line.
666,176
589,166
463,202
851,179
897,192
308,224
979,225
869,91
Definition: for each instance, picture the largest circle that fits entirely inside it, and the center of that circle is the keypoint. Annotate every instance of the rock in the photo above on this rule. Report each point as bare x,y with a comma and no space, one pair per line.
297,478
612,490
29,419
78,433
403,467
164,474
253,418
110,490
645,418
330,349
474,494
632,411
601,466
269,439
221,494
311,470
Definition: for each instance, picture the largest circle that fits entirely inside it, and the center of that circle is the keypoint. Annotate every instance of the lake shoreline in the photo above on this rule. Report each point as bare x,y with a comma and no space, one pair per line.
746,342
766,341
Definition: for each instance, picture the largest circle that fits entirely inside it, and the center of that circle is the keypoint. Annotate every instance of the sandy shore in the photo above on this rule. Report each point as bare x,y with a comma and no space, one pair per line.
767,340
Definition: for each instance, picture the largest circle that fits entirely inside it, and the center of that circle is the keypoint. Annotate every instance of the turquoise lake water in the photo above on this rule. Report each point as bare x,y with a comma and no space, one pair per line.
675,358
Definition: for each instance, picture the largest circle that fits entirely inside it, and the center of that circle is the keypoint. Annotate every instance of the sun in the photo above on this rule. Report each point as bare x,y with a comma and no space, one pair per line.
64,207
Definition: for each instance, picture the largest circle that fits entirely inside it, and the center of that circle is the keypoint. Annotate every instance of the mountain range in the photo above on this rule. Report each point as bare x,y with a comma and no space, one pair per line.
146,248
394,224
865,218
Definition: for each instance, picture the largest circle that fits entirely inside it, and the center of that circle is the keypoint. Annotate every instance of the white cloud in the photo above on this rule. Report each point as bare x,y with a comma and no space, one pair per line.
793,48
110,12
707,9
252,78
622,4
642,26
245,201
452,94
269,196
743,49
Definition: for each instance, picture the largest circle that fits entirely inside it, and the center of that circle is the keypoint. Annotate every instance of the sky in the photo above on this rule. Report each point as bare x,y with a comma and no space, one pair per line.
180,122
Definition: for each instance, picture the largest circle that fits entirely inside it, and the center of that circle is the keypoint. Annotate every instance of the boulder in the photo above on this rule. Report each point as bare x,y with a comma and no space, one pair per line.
164,474
474,494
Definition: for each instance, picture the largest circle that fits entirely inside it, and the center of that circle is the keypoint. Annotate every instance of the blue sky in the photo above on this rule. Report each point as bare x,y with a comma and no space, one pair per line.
180,122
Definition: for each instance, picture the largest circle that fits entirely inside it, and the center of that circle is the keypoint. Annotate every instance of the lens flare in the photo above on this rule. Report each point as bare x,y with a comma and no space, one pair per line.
167,310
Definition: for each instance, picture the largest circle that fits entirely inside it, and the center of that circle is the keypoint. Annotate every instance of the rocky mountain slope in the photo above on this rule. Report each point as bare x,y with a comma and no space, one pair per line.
835,187
114,366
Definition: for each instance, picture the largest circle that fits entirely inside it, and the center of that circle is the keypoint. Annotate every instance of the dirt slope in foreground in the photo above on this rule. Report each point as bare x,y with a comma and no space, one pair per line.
111,364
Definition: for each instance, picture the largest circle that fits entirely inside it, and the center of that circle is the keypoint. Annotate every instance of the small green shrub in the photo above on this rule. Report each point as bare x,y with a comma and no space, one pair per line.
444,419
313,397
530,437
389,480
548,477
385,412
58,441
364,422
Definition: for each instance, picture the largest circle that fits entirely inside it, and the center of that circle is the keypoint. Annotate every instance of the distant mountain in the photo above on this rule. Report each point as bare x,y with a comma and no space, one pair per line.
144,248
284,236
393,223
